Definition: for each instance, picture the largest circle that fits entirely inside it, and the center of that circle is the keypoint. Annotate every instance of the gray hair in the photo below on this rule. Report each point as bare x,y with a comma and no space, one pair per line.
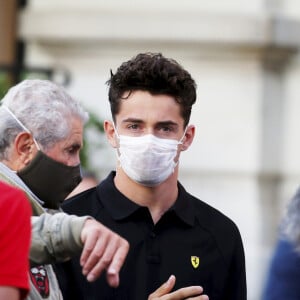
43,107
290,227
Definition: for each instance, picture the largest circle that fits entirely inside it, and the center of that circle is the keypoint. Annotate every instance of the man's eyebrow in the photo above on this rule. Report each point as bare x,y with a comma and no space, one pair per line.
136,120
169,122
133,120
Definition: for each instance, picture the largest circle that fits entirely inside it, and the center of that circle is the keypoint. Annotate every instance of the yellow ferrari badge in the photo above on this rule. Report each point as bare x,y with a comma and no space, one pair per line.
195,260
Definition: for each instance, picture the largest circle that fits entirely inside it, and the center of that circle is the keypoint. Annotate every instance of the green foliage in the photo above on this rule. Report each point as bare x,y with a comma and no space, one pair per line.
4,84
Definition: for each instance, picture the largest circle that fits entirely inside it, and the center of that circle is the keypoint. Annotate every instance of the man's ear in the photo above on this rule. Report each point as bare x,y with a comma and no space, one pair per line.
188,137
110,133
25,147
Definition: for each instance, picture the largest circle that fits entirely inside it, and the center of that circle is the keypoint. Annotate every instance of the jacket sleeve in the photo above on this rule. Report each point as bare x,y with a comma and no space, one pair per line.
55,238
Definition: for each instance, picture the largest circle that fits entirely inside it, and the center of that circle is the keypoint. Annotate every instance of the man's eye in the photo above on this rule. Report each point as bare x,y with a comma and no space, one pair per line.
133,126
73,150
166,128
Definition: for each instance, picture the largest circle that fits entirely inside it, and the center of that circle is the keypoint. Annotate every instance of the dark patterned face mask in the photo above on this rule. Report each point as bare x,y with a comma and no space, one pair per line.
49,179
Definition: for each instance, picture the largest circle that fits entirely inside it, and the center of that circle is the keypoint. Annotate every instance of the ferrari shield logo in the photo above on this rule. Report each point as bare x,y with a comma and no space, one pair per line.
195,260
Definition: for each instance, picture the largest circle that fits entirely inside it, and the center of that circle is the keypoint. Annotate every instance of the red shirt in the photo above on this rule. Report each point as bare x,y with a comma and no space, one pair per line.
15,233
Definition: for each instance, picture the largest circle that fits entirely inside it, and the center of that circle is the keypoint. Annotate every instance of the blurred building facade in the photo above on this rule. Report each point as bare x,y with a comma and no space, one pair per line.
244,56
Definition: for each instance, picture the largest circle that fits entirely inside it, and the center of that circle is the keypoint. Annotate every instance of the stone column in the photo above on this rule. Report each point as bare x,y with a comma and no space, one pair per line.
274,62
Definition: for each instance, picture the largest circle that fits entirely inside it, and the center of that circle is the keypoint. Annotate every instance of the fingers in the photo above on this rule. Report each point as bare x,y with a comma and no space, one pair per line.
113,279
191,292
103,250
117,263
99,258
164,288
89,237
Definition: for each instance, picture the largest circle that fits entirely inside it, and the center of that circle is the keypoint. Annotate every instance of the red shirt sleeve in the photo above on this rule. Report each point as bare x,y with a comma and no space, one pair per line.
15,233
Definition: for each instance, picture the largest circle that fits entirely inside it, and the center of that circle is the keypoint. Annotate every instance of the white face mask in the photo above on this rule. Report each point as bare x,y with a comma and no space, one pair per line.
147,159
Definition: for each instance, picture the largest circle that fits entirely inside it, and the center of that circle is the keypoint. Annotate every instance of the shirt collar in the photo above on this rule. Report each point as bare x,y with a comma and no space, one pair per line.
183,207
120,207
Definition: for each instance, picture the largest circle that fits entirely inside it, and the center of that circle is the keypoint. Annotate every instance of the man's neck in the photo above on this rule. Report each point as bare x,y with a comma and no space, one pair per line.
158,199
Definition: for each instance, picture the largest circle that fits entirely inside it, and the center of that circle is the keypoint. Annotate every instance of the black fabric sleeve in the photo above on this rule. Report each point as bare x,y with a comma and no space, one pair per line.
237,287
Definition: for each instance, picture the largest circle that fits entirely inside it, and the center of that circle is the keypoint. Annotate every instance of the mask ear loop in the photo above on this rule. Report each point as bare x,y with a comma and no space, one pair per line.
118,137
21,124
115,128
180,142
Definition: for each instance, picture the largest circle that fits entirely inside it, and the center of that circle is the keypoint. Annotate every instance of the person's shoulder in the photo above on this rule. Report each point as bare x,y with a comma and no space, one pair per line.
88,202
13,197
210,214
286,249
15,209
80,203
221,227
7,189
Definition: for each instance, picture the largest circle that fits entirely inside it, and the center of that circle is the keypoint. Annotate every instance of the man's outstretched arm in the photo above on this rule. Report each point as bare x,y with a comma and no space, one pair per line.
58,237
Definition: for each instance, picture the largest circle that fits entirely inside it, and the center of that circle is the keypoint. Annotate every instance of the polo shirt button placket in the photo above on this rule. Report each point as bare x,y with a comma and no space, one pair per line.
153,256
153,235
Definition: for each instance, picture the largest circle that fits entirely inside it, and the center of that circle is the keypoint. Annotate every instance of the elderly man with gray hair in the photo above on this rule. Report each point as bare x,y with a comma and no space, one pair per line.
41,129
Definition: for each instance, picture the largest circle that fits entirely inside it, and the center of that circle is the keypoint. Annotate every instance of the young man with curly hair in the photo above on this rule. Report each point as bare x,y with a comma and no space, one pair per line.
171,233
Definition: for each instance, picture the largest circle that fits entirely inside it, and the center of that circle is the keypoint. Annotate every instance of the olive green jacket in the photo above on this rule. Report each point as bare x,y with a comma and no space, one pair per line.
55,237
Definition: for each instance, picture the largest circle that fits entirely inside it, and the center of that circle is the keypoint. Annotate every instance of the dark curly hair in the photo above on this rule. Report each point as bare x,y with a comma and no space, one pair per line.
156,74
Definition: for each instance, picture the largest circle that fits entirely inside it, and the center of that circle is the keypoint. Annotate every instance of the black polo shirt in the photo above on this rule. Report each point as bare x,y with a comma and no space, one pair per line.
192,240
